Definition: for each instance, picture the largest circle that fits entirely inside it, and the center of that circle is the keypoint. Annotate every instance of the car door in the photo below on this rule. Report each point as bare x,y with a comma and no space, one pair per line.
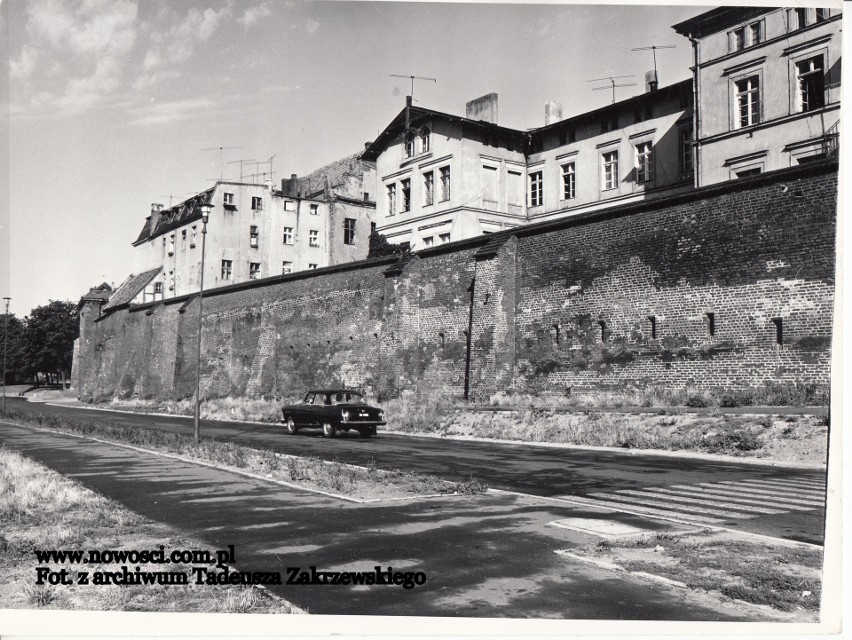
301,411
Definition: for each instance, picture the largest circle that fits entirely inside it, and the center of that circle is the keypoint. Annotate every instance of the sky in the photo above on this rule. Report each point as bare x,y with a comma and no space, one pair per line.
116,104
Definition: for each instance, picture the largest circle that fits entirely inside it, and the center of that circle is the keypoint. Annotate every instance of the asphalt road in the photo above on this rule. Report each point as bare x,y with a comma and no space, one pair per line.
739,496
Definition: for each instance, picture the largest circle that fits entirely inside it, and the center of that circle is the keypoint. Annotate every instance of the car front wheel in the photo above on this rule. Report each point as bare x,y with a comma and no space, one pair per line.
328,430
292,429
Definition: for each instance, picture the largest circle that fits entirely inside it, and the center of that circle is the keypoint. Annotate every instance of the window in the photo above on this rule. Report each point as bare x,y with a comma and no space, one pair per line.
228,199
821,15
183,240
409,146
747,173
746,36
193,237
811,84
288,235
444,237
536,188
406,195
610,170
254,270
428,188
256,203
711,323
289,205
158,288
253,236
428,241
313,238
748,101
684,141
445,183
653,321
286,267
391,199
314,209
172,244
569,181
425,141
797,18
227,268
171,280
312,265
349,231
490,187
644,163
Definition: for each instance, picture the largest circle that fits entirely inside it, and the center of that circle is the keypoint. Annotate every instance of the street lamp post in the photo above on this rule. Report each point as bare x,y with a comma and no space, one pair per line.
5,341
205,207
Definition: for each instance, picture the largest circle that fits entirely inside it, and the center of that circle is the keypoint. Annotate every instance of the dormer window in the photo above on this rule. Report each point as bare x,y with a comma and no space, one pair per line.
425,142
409,146
745,36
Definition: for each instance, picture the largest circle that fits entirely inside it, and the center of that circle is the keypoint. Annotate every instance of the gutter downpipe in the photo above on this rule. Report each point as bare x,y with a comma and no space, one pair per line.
696,119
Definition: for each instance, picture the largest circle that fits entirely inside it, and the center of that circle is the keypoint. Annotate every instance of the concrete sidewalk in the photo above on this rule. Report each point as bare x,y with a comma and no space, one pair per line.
490,555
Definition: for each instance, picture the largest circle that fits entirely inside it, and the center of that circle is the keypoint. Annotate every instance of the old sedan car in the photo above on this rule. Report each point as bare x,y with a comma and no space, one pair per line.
333,410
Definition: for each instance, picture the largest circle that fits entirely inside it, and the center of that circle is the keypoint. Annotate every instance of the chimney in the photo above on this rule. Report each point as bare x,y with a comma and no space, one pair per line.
652,82
484,108
552,112
367,144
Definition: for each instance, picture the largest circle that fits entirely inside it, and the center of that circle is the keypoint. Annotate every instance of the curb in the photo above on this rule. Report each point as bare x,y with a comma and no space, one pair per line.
618,568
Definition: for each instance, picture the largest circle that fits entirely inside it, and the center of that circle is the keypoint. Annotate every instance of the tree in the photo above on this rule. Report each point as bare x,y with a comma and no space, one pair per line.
379,246
49,339
15,360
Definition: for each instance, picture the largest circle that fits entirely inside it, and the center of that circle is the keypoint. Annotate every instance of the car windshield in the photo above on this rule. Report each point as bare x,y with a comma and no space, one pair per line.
347,397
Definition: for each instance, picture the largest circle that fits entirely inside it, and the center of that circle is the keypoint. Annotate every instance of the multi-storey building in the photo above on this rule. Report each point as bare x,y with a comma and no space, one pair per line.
448,178
633,149
442,177
768,87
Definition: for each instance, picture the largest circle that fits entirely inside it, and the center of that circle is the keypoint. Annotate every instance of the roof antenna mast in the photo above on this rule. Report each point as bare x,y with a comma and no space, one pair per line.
614,85
653,50
413,78
221,157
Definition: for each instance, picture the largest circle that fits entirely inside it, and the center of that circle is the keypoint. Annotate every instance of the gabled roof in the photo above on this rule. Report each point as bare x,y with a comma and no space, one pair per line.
718,19
417,115
130,288
174,217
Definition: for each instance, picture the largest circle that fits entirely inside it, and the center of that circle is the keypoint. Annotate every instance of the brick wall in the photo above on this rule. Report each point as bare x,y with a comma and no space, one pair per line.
694,290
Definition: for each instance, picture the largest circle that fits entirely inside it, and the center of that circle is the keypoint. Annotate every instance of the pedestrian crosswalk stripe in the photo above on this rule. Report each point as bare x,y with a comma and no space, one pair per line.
697,497
627,505
711,502
781,482
684,502
733,496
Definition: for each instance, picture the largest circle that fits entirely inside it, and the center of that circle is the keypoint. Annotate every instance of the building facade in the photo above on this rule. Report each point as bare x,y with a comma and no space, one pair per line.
253,232
767,82
443,178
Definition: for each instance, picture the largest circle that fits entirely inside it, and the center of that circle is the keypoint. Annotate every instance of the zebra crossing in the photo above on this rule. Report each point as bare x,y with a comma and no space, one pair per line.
714,503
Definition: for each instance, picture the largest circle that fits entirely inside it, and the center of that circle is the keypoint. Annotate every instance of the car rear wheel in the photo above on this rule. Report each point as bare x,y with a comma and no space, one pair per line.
292,429
328,430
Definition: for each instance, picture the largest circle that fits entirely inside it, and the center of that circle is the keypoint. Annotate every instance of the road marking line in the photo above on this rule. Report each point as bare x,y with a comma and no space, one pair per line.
665,502
787,486
667,516
633,507
766,493
697,498
731,496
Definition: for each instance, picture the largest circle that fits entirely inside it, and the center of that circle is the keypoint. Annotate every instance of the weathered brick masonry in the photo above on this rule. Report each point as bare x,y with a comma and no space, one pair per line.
696,290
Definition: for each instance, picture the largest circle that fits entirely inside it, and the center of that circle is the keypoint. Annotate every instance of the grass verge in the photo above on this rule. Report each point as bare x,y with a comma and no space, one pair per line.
363,483
40,509
784,577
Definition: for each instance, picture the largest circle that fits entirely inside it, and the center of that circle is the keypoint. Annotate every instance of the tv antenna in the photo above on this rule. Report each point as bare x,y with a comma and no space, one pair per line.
221,151
653,50
412,78
612,80
241,162
258,163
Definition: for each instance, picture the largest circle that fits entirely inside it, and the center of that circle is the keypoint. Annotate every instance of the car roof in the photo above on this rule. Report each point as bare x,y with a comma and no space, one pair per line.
335,390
